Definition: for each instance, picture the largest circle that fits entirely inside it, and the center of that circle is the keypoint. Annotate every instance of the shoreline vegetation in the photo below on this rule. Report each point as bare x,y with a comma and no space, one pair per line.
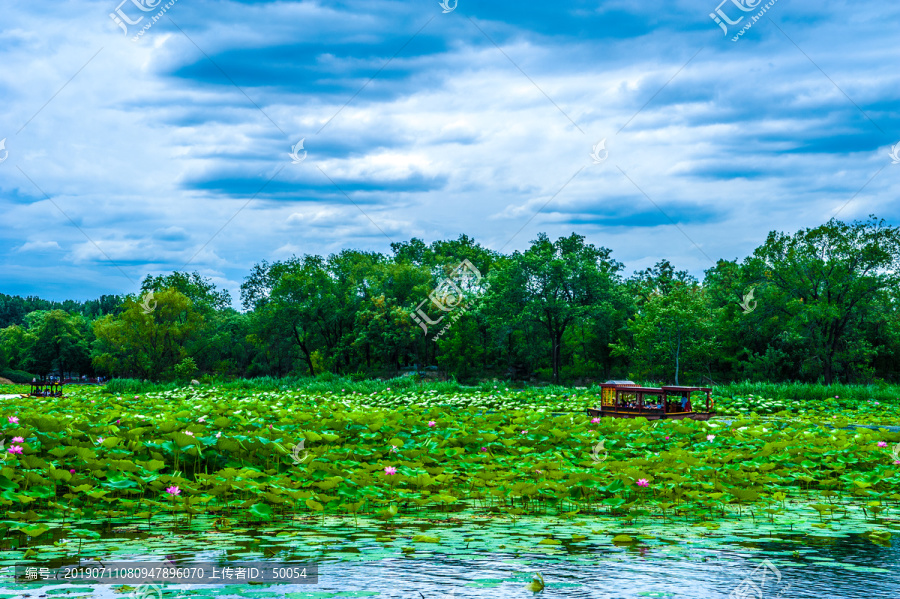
818,305
847,396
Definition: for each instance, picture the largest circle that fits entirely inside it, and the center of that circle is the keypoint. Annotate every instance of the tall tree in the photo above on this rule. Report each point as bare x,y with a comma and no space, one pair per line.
825,284
202,292
58,342
555,285
146,343
670,331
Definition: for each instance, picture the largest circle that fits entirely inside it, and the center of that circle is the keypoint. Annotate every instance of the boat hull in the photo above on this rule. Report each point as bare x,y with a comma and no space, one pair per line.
651,415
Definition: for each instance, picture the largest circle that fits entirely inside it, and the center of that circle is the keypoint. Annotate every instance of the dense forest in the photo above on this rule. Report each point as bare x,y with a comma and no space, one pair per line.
818,305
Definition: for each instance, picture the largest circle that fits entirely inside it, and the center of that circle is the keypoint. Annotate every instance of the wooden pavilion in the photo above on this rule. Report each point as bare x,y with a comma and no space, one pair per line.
46,388
625,399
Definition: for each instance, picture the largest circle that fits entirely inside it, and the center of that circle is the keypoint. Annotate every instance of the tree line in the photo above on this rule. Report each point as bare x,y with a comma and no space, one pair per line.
817,305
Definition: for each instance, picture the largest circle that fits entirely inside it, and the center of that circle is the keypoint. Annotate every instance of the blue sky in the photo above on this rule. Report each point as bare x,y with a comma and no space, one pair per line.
127,158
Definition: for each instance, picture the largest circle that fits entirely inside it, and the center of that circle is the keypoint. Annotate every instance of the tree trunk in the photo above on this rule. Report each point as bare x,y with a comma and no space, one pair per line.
677,359
554,363
828,370
556,340
306,353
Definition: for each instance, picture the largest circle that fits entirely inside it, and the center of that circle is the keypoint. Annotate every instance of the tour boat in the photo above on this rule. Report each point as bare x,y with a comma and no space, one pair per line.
625,399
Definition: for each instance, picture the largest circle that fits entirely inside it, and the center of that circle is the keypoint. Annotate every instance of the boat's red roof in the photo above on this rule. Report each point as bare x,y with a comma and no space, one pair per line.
655,390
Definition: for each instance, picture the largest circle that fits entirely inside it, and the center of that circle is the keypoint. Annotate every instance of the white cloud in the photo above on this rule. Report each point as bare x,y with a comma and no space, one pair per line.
38,246
449,138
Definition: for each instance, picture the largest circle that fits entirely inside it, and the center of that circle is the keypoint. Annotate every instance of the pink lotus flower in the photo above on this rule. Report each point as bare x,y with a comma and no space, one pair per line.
218,434
189,433
710,437
18,440
595,420
13,420
880,443
99,439
896,462
390,470
173,491
432,423
524,432
667,438
118,420
15,449
484,449
138,397
837,397
71,471
201,419
270,427
393,449
643,482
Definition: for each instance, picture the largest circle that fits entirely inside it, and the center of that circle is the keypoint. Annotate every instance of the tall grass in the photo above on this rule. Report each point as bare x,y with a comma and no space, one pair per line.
810,391
329,383
321,384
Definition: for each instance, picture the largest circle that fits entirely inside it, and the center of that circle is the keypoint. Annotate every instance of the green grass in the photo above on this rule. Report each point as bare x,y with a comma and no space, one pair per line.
885,393
329,383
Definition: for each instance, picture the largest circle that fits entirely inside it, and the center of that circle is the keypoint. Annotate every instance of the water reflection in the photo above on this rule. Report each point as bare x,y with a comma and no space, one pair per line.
497,560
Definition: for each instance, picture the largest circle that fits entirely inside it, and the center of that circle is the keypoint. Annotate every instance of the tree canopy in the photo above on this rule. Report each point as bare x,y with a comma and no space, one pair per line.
819,304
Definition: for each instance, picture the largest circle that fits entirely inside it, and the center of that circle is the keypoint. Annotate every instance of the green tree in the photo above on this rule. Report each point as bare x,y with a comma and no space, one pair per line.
671,331
202,292
145,343
15,341
57,341
823,288
185,369
555,285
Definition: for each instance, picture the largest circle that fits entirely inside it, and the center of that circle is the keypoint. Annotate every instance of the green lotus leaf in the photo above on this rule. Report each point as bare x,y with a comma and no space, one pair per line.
261,511
34,530
426,539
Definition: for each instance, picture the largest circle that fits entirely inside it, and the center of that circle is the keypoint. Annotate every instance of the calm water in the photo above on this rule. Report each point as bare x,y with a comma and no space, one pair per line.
469,562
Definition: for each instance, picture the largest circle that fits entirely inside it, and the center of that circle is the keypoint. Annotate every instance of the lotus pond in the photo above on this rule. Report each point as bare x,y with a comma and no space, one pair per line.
396,493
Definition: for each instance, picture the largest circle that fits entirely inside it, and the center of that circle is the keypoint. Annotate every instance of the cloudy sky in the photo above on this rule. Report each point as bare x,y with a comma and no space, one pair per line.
126,155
